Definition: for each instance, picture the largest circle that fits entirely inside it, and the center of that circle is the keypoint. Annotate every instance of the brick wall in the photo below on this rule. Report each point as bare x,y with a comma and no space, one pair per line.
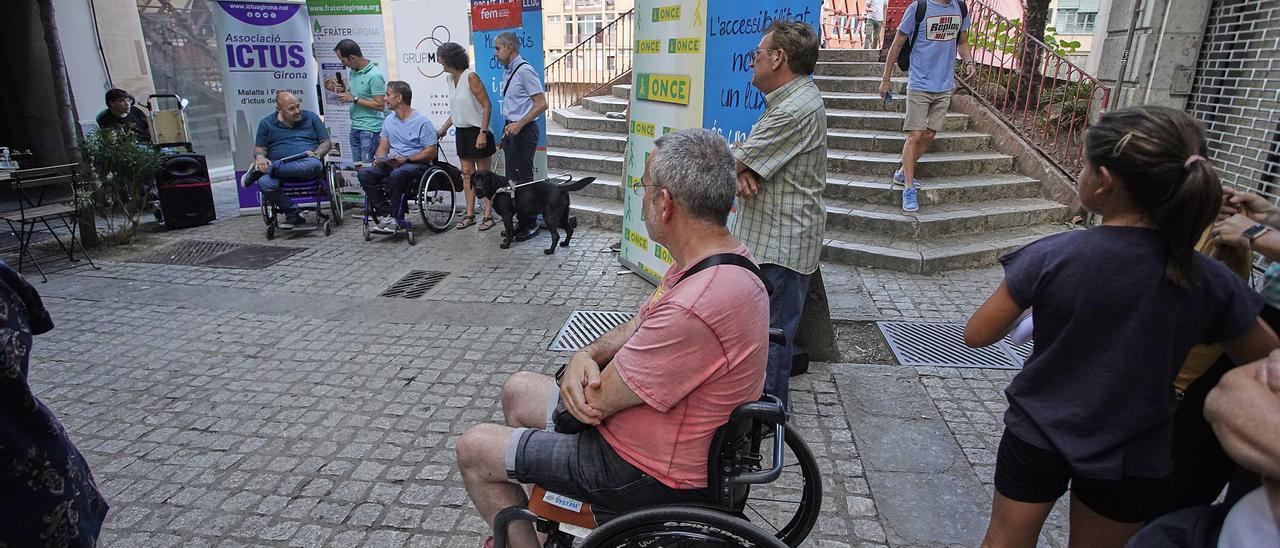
1236,92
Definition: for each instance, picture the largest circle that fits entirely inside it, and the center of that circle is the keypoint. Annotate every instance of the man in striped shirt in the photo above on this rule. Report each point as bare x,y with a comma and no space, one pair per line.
782,169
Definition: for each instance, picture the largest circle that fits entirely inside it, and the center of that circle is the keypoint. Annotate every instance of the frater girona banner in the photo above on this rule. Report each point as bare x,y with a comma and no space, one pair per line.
265,48
692,68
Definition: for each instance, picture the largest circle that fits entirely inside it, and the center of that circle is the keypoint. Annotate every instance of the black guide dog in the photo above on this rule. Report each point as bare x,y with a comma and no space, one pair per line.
550,198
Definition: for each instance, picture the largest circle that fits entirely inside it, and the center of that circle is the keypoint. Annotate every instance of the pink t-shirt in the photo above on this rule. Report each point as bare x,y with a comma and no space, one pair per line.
700,352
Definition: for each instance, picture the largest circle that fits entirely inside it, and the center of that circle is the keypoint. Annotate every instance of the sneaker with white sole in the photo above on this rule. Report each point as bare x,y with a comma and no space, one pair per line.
378,228
389,225
901,179
909,200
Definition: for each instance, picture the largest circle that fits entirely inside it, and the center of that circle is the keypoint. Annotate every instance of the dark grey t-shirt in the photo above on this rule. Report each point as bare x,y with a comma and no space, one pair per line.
1111,333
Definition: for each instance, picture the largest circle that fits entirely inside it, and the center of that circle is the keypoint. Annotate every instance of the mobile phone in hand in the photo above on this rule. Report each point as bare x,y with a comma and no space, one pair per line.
888,96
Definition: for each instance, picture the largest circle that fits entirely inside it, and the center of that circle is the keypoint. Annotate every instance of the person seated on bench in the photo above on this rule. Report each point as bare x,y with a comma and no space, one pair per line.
406,148
652,391
287,133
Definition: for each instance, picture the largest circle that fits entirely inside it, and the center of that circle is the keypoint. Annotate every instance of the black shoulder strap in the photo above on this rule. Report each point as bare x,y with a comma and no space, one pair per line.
731,259
922,7
512,77
964,13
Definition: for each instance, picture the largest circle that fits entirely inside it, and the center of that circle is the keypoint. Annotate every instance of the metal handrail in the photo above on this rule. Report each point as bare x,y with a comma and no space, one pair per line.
1044,97
595,63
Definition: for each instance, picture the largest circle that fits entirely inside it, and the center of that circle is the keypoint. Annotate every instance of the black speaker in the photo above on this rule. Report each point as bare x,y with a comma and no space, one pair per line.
186,195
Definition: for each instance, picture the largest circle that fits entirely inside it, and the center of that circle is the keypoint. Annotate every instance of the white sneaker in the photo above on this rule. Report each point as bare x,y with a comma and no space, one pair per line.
389,226
379,228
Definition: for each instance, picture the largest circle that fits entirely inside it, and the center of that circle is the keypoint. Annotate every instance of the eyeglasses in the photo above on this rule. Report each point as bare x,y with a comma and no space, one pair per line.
638,188
751,55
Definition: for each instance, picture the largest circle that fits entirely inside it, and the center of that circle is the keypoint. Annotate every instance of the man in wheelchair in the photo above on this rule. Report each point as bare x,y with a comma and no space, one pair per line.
281,138
406,147
651,393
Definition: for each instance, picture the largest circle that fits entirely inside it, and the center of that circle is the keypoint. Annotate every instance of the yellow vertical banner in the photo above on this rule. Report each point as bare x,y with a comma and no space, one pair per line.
667,82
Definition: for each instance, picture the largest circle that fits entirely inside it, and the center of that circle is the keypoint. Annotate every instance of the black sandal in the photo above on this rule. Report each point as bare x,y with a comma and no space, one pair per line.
467,220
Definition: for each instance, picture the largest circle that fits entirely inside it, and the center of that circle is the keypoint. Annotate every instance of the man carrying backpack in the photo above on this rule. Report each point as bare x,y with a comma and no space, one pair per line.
932,32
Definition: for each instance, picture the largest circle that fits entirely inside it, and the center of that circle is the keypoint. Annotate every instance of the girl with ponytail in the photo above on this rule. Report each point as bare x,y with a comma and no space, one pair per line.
1117,309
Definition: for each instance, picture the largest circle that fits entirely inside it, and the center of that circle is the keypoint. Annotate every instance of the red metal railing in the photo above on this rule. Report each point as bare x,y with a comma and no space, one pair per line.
1038,92
600,60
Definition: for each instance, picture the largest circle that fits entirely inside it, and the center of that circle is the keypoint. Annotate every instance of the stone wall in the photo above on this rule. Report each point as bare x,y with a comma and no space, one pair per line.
1236,92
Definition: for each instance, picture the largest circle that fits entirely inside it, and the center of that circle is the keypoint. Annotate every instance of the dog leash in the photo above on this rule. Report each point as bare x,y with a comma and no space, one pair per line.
511,189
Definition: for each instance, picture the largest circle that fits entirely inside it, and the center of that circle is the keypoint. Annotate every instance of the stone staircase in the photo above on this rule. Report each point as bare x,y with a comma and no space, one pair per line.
973,206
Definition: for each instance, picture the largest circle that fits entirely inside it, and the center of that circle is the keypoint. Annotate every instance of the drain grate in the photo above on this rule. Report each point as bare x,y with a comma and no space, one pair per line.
414,284
584,326
942,345
218,255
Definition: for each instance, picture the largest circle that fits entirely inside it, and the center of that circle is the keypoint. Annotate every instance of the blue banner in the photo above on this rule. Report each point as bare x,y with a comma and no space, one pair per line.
491,71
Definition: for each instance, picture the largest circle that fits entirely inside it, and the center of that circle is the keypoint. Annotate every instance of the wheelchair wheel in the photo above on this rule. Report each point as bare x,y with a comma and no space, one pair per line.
335,199
679,527
271,232
437,203
367,236
789,506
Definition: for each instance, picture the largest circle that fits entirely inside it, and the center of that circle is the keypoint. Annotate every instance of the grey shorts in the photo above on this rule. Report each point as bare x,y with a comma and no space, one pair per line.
926,110
583,466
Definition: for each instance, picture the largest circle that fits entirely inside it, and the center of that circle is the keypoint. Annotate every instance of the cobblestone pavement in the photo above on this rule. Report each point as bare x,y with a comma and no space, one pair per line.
292,406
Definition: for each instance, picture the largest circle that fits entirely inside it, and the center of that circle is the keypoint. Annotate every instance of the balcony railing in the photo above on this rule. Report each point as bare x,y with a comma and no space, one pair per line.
598,61
1043,96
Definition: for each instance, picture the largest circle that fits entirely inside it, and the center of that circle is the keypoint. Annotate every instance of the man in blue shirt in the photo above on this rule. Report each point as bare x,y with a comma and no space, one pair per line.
523,100
288,132
406,146
940,35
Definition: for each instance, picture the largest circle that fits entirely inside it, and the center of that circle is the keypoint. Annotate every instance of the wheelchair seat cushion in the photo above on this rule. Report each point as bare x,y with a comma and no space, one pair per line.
585,468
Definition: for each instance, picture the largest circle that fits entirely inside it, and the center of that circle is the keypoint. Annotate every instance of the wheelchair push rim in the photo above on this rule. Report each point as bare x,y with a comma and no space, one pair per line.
437,202
789,506
679,527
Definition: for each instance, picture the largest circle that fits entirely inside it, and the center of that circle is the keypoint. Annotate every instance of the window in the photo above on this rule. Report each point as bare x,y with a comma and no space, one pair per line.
1070,21
589,24
613,62
553,18
568,33
588,4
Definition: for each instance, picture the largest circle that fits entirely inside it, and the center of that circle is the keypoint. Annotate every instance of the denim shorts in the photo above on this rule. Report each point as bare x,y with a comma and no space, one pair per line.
583,466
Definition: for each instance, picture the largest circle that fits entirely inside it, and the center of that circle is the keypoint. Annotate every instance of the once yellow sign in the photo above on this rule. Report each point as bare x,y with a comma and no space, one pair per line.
648,46
635,238
643,128
666,13
664,88
684,45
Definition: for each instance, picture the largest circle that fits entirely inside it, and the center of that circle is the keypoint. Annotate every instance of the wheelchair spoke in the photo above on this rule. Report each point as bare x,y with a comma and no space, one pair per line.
764,519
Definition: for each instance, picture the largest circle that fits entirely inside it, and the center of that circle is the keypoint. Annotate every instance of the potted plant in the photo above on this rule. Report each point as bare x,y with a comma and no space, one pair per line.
125,171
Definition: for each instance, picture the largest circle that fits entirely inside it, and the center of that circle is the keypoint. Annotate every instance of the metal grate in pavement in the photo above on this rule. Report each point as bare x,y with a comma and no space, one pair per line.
584,326
414,284
942,345
218,254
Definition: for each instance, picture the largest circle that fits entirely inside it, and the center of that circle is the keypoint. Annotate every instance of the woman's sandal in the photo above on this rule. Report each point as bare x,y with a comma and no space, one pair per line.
487,223
466,221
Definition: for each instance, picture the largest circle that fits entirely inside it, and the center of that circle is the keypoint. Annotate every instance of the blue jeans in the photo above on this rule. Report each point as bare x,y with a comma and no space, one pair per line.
785,307
363,144
305,169
374,180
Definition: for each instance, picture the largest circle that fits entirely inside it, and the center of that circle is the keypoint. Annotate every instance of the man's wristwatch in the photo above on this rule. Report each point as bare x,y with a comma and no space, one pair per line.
1254,231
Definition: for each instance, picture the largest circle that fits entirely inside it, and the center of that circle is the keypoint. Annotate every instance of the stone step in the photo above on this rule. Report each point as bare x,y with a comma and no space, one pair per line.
861,101
933,255
621,91
573,160
942,220
892,140
887,121
841,68
560,137
849,55
932,164
941,190
578,118
602,104
862,84
597,212
605,187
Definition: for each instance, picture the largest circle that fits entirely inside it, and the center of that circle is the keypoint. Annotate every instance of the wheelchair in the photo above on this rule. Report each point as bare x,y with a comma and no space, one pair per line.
780,510
435,197
321,189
